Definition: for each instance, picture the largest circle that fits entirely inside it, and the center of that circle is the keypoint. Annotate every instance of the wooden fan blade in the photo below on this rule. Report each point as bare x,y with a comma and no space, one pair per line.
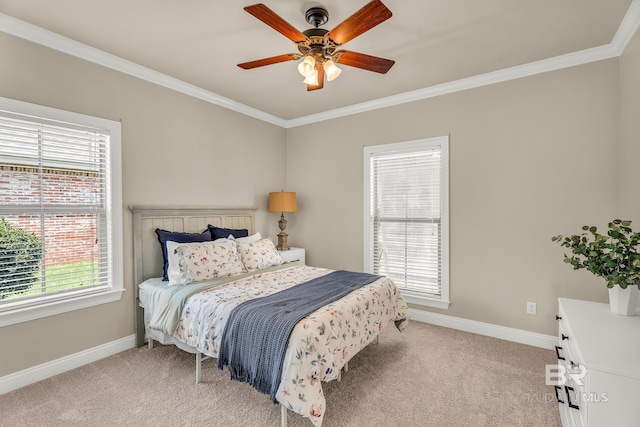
366,62
320,84
269,61
273,20
372,14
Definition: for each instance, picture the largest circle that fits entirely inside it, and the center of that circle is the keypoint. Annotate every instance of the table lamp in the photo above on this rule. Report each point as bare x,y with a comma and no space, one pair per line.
282,201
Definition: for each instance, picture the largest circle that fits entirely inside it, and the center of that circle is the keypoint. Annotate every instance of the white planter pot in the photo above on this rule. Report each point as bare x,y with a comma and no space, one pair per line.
623,301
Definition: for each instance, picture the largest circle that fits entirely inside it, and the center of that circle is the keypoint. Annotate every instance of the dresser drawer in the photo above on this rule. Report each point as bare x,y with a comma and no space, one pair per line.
572,375
567,348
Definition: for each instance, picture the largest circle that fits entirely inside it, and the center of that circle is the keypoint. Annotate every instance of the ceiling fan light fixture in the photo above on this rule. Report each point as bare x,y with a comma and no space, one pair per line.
307,66
312,79
331,69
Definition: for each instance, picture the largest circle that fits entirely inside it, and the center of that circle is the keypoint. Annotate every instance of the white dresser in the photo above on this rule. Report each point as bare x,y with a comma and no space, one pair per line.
600,353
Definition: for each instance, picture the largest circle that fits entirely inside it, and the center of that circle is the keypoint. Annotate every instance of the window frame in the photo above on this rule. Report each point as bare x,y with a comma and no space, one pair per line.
31,309
413,297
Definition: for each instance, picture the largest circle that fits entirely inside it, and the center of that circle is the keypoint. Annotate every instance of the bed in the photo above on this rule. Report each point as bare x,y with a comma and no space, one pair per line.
194,316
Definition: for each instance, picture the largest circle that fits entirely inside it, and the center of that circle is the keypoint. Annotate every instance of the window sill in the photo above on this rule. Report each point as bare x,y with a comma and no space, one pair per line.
23,313
417,299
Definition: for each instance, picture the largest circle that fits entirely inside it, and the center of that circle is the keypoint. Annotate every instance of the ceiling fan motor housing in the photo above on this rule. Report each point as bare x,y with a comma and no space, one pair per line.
317,44
317,16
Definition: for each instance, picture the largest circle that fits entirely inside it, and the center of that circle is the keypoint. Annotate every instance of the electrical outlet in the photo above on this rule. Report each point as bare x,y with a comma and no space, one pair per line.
531,308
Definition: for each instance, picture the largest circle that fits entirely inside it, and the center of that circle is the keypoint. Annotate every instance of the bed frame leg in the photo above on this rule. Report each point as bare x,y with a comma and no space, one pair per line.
150,343
345,368
346,365
198,367
377,339
283,416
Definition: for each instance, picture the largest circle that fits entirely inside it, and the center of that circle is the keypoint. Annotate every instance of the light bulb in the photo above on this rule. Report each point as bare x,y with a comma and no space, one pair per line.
331,69
307,66
312,79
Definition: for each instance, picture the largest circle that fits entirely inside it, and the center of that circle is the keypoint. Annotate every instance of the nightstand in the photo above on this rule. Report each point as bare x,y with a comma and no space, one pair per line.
293,255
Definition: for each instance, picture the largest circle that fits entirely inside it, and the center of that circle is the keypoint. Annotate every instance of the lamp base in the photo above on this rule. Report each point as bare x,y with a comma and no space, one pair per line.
282,236
282,242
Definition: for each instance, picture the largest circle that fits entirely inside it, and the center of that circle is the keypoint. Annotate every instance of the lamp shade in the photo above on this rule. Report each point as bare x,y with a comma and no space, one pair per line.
283,201
312,79
331,69
306,67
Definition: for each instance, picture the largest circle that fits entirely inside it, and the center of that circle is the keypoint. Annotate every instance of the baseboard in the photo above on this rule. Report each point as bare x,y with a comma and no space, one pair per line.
40,372
488,329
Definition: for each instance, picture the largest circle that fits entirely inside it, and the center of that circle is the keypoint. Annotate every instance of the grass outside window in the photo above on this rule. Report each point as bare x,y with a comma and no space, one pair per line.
61,277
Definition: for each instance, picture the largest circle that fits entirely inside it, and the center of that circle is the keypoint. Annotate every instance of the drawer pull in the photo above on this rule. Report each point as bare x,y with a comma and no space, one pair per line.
556,388
565,337
558,317
571,405
558,348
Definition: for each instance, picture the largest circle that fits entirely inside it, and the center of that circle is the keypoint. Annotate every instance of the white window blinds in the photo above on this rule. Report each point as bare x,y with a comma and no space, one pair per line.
406,222
55,209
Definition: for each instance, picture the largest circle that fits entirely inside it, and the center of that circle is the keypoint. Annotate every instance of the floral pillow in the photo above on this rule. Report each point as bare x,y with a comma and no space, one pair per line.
165,236
208,260
259,255
173,261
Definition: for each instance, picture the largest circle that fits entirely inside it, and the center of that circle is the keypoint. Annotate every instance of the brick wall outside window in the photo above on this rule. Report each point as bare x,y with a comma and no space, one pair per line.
68,237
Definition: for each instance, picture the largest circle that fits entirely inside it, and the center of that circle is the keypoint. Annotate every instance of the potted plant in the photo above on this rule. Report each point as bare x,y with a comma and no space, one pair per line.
613,256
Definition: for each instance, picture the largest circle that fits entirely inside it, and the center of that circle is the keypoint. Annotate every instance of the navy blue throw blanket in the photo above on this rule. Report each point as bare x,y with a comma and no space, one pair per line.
257,332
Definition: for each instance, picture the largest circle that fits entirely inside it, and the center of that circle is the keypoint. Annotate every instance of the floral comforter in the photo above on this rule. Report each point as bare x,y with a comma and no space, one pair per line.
319,346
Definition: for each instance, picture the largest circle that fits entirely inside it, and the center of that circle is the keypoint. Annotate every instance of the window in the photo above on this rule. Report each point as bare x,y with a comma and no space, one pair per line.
406,217
60,211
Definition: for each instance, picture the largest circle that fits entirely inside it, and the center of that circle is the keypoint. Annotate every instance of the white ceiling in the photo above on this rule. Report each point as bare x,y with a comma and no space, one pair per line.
433,42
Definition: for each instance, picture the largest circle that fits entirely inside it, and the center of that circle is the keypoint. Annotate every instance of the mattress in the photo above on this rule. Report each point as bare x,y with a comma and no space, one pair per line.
145,291
319,346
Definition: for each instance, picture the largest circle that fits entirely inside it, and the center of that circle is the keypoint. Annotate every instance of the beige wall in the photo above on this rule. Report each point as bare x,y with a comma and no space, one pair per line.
529,159
630,132
176,151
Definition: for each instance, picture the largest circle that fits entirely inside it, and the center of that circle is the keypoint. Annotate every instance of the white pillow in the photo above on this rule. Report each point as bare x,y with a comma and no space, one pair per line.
207,260
249,239
259,255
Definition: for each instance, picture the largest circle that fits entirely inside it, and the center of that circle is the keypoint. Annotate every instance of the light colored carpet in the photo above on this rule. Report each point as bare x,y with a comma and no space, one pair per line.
425,376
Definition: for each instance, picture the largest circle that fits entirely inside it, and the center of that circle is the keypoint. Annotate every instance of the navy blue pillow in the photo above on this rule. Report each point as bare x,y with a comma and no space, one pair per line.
223,233
165,236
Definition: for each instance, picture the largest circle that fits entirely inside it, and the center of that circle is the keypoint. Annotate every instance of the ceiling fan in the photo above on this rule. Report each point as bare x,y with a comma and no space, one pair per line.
318,47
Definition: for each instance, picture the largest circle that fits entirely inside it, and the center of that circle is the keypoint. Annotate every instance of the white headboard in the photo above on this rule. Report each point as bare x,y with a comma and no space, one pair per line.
146,248
147,255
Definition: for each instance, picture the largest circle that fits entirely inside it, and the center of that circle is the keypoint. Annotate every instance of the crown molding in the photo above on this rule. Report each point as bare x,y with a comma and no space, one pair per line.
35,34
504,75
628,27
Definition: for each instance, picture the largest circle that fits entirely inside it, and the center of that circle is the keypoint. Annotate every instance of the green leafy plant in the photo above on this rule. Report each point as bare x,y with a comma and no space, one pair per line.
613,256
20,253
